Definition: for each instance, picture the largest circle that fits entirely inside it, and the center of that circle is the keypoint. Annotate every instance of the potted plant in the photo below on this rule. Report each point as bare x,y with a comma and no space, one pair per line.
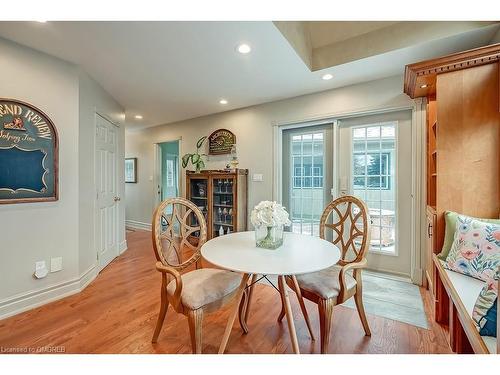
196,158
268,219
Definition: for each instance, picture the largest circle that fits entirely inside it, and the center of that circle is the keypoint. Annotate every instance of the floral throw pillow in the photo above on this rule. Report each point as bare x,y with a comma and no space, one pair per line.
485,309
475,250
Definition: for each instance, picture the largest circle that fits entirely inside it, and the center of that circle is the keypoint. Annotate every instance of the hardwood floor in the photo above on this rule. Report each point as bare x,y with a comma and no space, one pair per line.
117,313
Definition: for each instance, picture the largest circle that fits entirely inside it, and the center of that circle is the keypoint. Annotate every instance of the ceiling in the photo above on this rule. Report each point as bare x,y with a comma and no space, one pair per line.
326,32
171,71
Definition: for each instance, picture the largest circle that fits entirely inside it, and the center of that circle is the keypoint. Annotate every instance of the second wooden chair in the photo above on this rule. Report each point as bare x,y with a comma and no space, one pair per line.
179,231
349,220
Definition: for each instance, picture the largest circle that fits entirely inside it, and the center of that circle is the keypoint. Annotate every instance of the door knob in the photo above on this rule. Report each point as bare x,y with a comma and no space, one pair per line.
117,199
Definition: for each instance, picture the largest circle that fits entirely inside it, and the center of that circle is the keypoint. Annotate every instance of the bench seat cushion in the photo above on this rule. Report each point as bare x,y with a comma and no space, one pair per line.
468,288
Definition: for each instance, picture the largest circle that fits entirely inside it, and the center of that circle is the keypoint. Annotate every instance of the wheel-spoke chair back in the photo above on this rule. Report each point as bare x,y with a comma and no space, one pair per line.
179,231
346,223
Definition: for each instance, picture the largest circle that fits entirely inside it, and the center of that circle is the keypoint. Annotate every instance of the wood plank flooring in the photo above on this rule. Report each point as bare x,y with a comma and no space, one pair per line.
117,313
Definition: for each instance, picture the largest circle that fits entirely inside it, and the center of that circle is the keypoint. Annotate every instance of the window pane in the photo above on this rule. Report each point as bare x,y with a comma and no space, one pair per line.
359,146
307,147
373,161
318,148
388,131
373,132
307,160
296,147
373,182
359,182
318,182
359,132
307,182
359,164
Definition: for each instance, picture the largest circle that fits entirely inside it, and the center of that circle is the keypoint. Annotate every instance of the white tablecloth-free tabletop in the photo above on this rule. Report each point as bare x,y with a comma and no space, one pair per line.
299,254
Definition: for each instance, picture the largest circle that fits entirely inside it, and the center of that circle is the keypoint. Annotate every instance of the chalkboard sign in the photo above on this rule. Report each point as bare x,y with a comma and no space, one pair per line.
220,142
28,154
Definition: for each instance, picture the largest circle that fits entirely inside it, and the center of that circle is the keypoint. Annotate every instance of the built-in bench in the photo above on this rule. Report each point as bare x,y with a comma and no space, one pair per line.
456,295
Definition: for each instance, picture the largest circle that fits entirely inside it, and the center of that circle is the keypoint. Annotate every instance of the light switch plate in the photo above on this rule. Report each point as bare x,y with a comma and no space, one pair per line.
257,177
56,264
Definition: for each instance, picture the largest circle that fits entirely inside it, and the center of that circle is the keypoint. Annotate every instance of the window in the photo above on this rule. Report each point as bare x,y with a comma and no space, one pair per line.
373,177
307,177
376,175
307,161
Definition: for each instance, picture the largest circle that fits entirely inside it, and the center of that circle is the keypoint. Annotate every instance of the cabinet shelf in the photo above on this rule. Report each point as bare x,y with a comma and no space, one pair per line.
204,190
223,224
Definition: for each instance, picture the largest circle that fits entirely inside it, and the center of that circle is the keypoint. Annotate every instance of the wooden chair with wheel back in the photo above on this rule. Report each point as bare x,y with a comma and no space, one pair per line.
348,219
179,230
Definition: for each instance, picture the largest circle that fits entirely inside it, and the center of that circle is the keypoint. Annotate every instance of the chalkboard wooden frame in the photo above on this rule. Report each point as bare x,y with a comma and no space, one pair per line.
53,168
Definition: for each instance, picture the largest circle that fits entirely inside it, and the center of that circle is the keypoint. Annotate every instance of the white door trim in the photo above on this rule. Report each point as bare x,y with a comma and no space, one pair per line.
418,187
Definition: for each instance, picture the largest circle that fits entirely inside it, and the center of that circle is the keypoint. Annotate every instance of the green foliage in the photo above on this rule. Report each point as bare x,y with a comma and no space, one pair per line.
196,158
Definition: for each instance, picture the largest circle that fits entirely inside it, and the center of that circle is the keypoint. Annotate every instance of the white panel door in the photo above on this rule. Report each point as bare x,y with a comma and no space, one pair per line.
107,199
375,165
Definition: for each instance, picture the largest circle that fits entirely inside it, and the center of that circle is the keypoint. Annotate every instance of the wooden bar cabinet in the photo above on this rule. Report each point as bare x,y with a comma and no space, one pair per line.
222,198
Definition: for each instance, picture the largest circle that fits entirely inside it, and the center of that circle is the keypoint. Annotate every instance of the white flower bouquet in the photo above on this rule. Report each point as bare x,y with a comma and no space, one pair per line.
269,218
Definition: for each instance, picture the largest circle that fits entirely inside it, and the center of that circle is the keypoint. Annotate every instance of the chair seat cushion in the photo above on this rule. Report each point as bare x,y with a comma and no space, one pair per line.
204,286
325,283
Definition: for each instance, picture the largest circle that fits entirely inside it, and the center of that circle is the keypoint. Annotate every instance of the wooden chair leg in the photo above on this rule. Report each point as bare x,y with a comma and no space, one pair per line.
242,310
232,316
297,291
195,320
161,316
250,293
358,298
283,311
325,309
245,304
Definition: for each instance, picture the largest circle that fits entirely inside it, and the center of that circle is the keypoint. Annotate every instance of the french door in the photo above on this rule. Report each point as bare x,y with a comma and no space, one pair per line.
374,164
307,175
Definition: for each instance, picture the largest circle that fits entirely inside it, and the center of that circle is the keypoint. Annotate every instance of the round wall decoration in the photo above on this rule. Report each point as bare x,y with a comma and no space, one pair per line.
28,154
220,142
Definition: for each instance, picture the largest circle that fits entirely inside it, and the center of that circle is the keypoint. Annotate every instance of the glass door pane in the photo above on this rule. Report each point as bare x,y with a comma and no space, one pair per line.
307,176
223,206
198,194
373,179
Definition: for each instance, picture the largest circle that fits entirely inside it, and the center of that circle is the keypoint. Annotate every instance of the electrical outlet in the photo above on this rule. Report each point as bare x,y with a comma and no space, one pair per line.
40,269
56,264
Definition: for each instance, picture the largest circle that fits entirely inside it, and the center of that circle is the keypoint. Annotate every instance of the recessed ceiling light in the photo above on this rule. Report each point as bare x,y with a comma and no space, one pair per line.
244,48
138,117
327,76
423,86
223,101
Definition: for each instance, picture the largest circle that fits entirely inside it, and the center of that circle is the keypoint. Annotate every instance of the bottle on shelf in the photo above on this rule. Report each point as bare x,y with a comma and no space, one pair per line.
221,231
228,230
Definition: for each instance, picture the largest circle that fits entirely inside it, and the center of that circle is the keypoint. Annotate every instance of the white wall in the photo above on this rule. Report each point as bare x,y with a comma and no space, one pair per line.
39,231
93,99
253,127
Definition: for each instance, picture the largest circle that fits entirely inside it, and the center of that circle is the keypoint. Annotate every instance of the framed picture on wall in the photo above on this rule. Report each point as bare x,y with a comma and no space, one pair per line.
131,170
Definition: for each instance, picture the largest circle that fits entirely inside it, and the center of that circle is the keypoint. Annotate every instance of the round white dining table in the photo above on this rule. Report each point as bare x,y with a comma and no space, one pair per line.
299,254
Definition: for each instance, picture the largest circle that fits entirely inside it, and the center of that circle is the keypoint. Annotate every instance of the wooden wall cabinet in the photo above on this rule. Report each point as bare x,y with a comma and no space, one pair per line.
463,162
222,197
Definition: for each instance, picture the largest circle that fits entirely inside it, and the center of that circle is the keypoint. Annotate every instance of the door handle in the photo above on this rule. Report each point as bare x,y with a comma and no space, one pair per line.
117,199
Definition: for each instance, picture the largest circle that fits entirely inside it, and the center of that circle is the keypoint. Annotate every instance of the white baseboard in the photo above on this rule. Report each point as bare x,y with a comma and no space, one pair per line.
137,225
123,247
27,301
